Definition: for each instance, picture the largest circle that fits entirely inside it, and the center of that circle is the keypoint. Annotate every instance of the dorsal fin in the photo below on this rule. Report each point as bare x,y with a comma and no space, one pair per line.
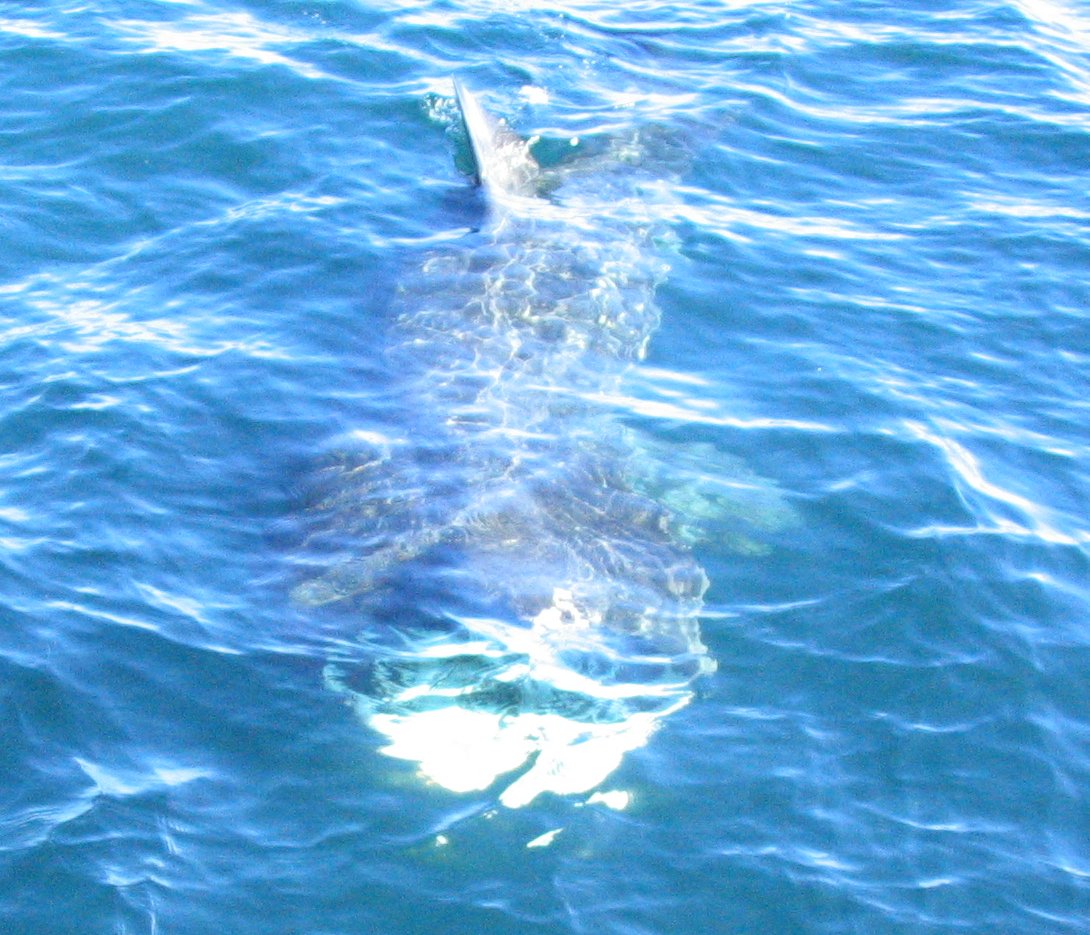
502,161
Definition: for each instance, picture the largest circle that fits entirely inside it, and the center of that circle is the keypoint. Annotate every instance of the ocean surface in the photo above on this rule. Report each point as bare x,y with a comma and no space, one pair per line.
861,412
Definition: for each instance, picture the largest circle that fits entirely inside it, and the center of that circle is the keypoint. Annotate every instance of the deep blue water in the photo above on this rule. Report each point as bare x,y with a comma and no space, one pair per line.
877,314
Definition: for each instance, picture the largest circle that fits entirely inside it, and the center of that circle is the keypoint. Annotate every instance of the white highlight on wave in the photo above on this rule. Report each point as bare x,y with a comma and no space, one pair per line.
1036,520
240,35
466,749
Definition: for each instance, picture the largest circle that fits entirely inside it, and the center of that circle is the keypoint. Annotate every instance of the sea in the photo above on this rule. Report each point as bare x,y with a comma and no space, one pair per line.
863,401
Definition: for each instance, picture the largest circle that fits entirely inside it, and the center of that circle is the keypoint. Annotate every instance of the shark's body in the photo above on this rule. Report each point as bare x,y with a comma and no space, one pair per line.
563,594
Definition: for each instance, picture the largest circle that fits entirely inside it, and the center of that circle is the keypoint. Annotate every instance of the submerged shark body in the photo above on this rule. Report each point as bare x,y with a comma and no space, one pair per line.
554,597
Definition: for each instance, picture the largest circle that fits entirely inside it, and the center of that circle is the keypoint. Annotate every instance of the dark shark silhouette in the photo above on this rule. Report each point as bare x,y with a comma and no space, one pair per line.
520,486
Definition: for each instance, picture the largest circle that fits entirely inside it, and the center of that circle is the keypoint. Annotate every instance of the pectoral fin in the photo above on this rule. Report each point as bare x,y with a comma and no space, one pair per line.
359,575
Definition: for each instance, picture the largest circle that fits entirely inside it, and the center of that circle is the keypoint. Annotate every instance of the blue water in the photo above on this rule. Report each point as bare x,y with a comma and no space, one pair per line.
878,305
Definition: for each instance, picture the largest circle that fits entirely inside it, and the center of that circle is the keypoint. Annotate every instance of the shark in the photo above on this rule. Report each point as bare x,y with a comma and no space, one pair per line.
523,561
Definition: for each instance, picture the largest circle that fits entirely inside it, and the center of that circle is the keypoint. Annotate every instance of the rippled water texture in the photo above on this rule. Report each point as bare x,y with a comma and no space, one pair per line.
860,231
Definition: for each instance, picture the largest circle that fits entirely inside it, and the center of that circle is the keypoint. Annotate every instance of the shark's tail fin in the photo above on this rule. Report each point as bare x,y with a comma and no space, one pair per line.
502,161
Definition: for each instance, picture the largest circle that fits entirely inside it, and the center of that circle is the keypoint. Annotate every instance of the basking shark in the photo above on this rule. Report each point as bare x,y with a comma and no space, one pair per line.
522,561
